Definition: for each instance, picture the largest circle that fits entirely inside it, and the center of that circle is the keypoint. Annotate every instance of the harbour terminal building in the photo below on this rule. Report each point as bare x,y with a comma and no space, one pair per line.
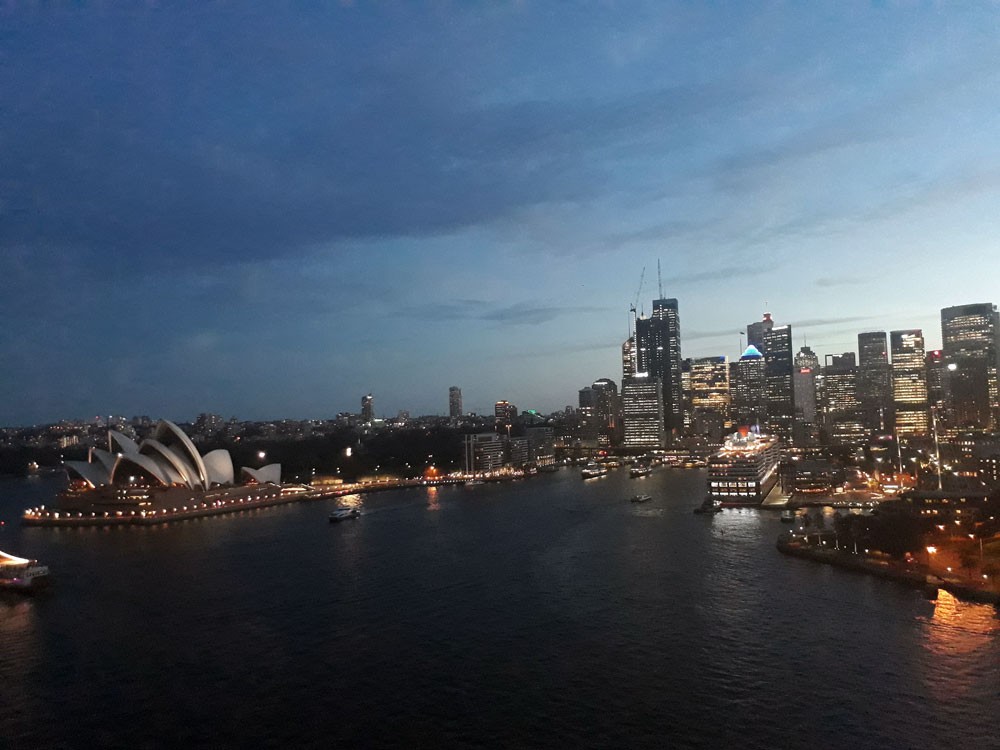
165,472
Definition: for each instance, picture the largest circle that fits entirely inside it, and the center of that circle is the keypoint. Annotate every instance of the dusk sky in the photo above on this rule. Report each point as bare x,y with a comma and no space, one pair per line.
270,214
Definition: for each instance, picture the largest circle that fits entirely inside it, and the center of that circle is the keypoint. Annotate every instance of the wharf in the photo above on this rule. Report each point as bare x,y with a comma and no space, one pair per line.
142,517
915,576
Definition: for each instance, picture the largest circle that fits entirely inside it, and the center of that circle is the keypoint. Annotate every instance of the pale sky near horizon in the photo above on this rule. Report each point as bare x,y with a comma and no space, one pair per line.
267,210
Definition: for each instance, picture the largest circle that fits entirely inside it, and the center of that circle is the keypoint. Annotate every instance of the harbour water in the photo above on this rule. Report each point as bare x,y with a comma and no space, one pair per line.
544,613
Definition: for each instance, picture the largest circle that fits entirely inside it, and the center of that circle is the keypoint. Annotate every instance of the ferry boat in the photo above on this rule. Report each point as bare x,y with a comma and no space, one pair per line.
640,470
641,498
343,514
744,471
593,469
21,574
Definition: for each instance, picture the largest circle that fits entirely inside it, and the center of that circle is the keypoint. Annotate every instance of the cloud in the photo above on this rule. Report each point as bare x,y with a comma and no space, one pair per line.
517,314
815,322
828,281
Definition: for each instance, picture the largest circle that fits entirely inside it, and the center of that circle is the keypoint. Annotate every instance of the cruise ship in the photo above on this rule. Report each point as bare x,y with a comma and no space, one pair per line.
744,471
593,469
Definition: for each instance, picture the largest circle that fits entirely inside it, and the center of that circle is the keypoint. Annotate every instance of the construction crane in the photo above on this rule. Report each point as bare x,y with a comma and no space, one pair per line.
635,304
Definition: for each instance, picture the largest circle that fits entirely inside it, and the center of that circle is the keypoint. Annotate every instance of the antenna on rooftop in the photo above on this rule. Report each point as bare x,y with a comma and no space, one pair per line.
659,279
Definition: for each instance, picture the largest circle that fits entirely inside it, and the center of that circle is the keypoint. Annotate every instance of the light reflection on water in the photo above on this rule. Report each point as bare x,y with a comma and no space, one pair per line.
551,612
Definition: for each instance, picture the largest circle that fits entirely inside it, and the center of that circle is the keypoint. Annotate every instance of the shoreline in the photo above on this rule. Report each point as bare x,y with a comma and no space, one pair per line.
66,519
915,578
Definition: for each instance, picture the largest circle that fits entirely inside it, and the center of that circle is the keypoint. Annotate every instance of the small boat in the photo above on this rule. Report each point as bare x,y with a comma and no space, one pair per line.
474,482
788,516
640,498
640,471
342,514
21,574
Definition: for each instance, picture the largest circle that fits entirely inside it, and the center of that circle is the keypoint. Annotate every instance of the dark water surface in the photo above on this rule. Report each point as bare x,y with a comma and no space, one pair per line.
545,613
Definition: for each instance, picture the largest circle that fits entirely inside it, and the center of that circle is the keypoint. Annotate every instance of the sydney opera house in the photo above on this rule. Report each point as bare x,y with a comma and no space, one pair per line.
162,472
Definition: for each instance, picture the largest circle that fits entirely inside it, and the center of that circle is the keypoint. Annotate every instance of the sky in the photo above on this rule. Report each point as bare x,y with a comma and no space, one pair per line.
267,210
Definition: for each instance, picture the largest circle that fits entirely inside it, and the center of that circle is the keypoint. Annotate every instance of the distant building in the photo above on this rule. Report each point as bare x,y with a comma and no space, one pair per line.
756,332
455,402
607,411
505,414
368,408
749,403
483,452
909,382
843,424
778,368
971,344
805,370
939,389
628,358
709,396
875,382
658,355
642,412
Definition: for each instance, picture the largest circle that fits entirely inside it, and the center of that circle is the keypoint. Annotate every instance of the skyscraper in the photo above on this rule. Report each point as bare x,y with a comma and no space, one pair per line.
841,410
939,389
909,382
778,367
971,344
804,373
455,402
749,402
505,414
368,408
607,408
875,382
642,412
709,389
628,358
658,354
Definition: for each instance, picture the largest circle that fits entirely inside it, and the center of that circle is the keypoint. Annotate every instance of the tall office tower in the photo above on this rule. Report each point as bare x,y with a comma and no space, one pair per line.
804,381
686,394
658,354
642,412
368,408
505,414
939,389
628,358
709,389
749,390
455,402
586,407
909,382
842,421
756,331
804,387
607,411
875,382
778,371
971,339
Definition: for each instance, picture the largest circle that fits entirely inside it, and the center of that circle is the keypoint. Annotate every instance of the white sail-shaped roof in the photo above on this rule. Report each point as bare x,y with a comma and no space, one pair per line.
219,465
174,438
124,442
179,470
265,474
93,474
147,464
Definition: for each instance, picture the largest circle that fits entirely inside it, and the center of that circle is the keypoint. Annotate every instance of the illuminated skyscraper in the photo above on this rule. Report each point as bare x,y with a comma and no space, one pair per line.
804,372
841,409
971,344
642,412
749,402
505,414
628,358
875,382
709,394
909,382
368,408
778,371
658,354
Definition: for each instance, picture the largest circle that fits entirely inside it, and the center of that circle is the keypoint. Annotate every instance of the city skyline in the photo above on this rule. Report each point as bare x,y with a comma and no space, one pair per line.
272,214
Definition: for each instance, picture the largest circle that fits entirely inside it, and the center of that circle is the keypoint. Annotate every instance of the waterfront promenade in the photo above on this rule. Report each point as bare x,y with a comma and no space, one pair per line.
43,516
911,574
